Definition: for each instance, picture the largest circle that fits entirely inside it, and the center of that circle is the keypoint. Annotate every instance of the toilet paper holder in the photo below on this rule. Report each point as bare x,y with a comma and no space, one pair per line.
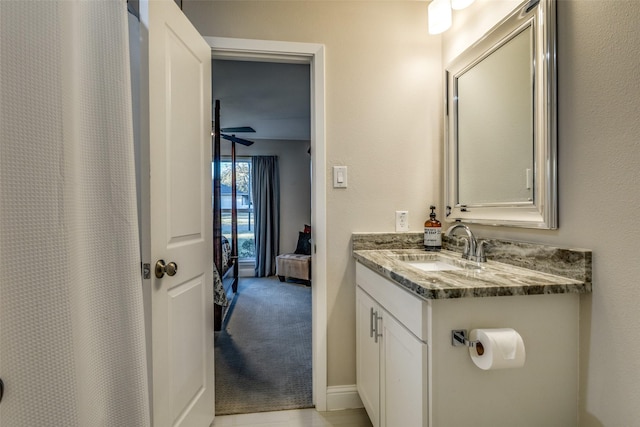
459,338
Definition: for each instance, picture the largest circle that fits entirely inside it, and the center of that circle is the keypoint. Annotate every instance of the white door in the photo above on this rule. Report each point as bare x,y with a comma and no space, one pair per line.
180,217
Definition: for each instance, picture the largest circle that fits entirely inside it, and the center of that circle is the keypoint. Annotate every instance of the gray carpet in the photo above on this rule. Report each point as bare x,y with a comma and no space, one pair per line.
263,352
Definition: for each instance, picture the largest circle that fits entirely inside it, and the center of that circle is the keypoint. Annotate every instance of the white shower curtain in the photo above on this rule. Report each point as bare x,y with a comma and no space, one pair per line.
72,348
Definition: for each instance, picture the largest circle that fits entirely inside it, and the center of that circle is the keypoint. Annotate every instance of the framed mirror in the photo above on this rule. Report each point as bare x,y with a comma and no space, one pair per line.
501,135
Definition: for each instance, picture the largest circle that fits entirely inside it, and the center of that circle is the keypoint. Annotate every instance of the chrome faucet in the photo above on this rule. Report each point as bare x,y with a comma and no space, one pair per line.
472,251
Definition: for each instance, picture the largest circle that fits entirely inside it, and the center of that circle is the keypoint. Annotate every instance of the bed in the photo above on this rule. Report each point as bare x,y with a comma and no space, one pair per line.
224,282
225,254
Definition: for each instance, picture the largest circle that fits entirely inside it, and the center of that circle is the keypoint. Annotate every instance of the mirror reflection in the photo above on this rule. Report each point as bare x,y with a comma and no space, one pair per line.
495,139
500,164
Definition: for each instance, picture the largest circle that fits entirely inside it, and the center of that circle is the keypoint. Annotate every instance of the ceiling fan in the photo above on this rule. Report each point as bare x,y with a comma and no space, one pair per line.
224,133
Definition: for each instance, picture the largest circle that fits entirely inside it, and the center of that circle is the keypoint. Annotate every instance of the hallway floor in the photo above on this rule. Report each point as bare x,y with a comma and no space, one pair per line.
296,418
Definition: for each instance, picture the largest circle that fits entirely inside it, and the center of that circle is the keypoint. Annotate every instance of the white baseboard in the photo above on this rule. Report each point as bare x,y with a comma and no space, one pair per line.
343,397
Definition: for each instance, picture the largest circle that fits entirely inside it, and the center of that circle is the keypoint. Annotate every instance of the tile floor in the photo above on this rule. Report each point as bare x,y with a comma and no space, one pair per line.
296,418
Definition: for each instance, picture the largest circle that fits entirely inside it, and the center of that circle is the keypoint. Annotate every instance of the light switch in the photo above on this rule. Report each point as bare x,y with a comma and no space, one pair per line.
339,177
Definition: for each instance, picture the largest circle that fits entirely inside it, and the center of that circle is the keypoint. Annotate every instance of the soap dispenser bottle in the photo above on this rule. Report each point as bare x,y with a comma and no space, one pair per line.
432,232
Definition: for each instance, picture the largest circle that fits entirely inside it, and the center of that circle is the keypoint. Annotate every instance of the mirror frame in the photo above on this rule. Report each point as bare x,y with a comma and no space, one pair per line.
542,213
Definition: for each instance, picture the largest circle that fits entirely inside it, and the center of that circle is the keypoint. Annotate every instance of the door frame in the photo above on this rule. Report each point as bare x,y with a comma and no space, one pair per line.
312,54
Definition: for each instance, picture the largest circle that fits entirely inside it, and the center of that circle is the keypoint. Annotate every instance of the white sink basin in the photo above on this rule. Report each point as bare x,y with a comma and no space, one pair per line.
430,261
433,265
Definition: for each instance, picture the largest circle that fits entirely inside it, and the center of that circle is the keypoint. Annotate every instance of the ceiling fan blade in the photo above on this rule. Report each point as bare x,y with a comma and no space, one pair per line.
234,138
238,129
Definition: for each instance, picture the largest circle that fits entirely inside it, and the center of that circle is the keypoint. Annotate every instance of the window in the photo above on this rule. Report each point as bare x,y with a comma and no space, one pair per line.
244,205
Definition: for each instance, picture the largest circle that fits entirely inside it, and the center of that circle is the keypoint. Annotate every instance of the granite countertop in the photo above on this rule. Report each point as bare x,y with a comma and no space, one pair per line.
487,279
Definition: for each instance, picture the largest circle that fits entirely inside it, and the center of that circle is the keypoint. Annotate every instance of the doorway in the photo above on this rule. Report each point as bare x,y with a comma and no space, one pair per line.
312,54
264,111
263,349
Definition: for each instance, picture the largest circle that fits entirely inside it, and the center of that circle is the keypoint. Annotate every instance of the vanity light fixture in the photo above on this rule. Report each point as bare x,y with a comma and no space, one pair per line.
460,4
439,16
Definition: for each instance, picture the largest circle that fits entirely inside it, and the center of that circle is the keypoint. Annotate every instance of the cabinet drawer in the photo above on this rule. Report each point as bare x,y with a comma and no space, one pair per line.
410,310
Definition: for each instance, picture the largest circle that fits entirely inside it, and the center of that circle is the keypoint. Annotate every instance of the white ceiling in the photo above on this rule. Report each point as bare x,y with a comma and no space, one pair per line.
272,98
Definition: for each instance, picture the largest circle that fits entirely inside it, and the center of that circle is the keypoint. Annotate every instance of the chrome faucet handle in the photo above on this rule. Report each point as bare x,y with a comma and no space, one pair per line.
480,252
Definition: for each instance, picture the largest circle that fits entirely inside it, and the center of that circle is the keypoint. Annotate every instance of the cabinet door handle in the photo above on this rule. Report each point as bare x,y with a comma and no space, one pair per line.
377,333
372,315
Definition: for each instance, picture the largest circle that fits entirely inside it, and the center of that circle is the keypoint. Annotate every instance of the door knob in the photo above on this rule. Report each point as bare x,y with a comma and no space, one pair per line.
162,268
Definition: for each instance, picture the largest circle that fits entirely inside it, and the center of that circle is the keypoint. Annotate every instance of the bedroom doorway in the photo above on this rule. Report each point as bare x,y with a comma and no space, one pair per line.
313,55
263,348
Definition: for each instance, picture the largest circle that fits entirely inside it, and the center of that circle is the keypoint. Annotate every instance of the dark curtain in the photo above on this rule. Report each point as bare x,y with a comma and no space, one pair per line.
265,184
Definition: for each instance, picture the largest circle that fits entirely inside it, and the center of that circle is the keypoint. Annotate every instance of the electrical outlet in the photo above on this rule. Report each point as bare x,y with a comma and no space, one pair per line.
402,220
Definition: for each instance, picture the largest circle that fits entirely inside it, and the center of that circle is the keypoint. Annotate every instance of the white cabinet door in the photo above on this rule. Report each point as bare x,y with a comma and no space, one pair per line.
367,355
404,385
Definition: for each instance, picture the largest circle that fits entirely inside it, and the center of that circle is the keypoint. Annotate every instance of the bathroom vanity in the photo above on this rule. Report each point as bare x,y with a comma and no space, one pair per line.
500,169
409,301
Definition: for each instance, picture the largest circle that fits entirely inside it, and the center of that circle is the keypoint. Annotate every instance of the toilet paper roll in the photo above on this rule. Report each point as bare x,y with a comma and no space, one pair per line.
500,348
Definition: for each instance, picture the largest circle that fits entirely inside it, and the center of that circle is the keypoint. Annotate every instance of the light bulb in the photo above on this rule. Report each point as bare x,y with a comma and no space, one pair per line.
439,16
460,4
